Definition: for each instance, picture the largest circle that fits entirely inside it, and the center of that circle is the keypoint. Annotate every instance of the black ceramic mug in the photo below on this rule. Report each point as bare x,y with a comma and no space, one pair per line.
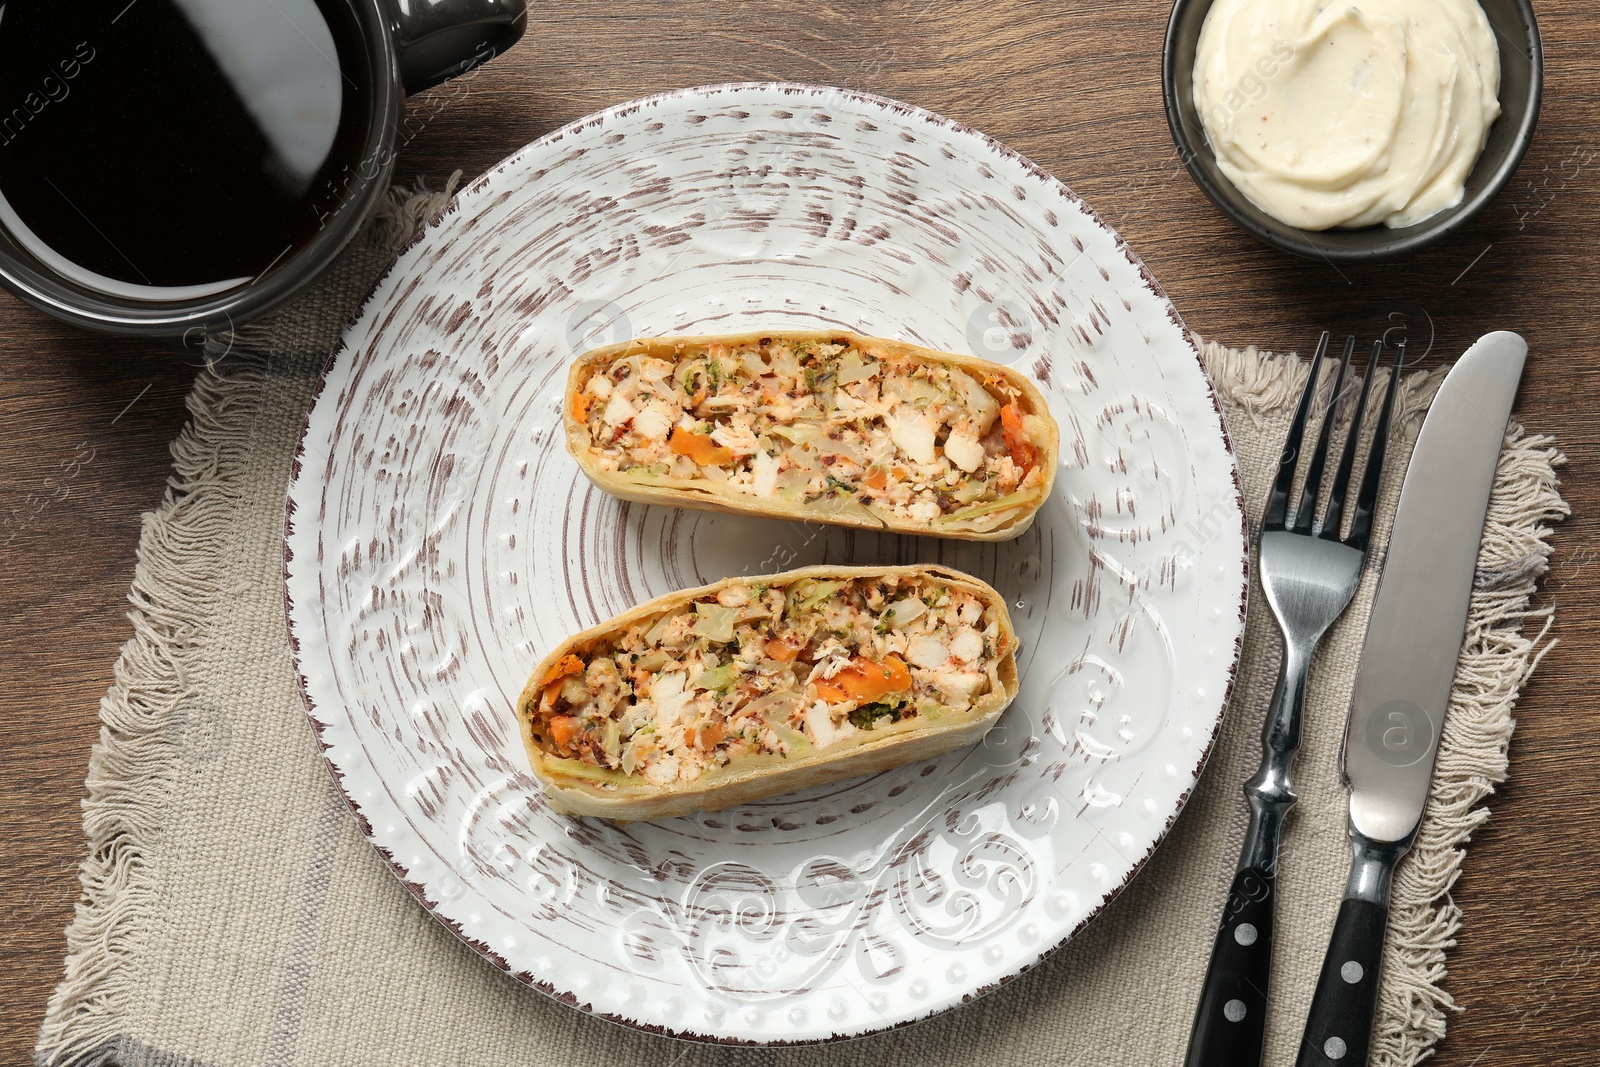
176,167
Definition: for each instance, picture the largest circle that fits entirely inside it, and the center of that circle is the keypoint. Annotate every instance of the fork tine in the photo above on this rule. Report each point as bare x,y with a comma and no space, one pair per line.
1278,500
1306,514
1361,525
1347,461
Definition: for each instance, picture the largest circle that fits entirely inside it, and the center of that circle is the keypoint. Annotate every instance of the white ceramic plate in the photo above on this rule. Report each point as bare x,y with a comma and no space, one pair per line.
440,539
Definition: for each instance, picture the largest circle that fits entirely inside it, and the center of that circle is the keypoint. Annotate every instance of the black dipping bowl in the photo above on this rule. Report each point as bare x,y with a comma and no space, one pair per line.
1521,84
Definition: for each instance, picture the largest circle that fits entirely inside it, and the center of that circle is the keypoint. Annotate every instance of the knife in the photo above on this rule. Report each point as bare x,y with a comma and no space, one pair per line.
1408,664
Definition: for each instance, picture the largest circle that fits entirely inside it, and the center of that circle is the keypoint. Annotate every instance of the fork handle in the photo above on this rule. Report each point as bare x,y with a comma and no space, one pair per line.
1231,1018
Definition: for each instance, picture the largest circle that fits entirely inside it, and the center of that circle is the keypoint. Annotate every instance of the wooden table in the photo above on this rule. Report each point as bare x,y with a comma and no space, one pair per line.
85,420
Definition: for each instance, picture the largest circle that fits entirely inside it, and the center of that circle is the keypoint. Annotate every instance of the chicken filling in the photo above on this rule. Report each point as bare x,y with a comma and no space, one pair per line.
862,429
765,669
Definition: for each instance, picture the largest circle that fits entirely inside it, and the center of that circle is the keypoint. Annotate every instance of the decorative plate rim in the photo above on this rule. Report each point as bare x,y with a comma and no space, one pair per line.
596,118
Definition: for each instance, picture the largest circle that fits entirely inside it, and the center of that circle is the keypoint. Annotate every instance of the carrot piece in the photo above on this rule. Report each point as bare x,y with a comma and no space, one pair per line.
901,474
707,737
1023,454
865,681
568,664
781,650
875,479
893,674
828,690
699,447
563,729
580,406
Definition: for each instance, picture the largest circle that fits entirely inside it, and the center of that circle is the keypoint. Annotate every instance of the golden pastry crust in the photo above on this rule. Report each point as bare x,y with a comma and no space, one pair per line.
815,426
756,686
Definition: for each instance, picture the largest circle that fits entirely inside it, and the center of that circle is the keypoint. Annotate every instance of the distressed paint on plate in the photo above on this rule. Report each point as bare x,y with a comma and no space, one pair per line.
439,539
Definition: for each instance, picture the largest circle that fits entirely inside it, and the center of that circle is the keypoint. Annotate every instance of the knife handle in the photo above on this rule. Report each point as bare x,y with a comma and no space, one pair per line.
1339,1028
1232,1015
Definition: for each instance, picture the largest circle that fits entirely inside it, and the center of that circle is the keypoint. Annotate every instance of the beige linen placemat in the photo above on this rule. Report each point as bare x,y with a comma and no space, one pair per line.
232,914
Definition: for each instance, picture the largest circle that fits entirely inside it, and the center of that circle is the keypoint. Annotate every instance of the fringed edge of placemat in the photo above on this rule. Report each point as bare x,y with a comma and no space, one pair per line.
142,717
144,713
1498,656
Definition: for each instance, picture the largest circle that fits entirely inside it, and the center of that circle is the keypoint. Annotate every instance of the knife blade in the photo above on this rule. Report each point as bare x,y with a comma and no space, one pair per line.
1407,668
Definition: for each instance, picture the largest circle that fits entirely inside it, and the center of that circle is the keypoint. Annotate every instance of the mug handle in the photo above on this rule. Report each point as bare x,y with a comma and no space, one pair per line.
439,39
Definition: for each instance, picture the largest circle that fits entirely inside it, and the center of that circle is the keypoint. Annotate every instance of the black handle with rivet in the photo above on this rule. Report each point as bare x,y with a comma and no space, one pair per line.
1232,1014
1339,1028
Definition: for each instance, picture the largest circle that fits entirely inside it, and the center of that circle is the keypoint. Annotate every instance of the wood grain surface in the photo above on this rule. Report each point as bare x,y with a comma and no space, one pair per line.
85,420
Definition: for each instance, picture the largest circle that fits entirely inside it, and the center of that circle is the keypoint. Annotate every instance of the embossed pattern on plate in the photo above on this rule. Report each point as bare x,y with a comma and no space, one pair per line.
439,539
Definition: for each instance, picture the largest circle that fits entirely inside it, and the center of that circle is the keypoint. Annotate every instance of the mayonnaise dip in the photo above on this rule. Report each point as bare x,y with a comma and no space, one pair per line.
1347,112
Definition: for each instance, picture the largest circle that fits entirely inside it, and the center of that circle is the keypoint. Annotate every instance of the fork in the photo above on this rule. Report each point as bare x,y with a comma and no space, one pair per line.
1309,574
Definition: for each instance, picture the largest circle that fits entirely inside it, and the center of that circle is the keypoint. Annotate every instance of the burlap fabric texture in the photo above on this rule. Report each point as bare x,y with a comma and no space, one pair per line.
233,915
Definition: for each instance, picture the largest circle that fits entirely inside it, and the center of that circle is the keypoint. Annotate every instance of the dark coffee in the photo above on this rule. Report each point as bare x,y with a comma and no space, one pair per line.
185,145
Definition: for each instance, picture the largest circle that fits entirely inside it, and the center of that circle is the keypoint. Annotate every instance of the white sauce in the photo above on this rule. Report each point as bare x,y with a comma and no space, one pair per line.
1347,112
